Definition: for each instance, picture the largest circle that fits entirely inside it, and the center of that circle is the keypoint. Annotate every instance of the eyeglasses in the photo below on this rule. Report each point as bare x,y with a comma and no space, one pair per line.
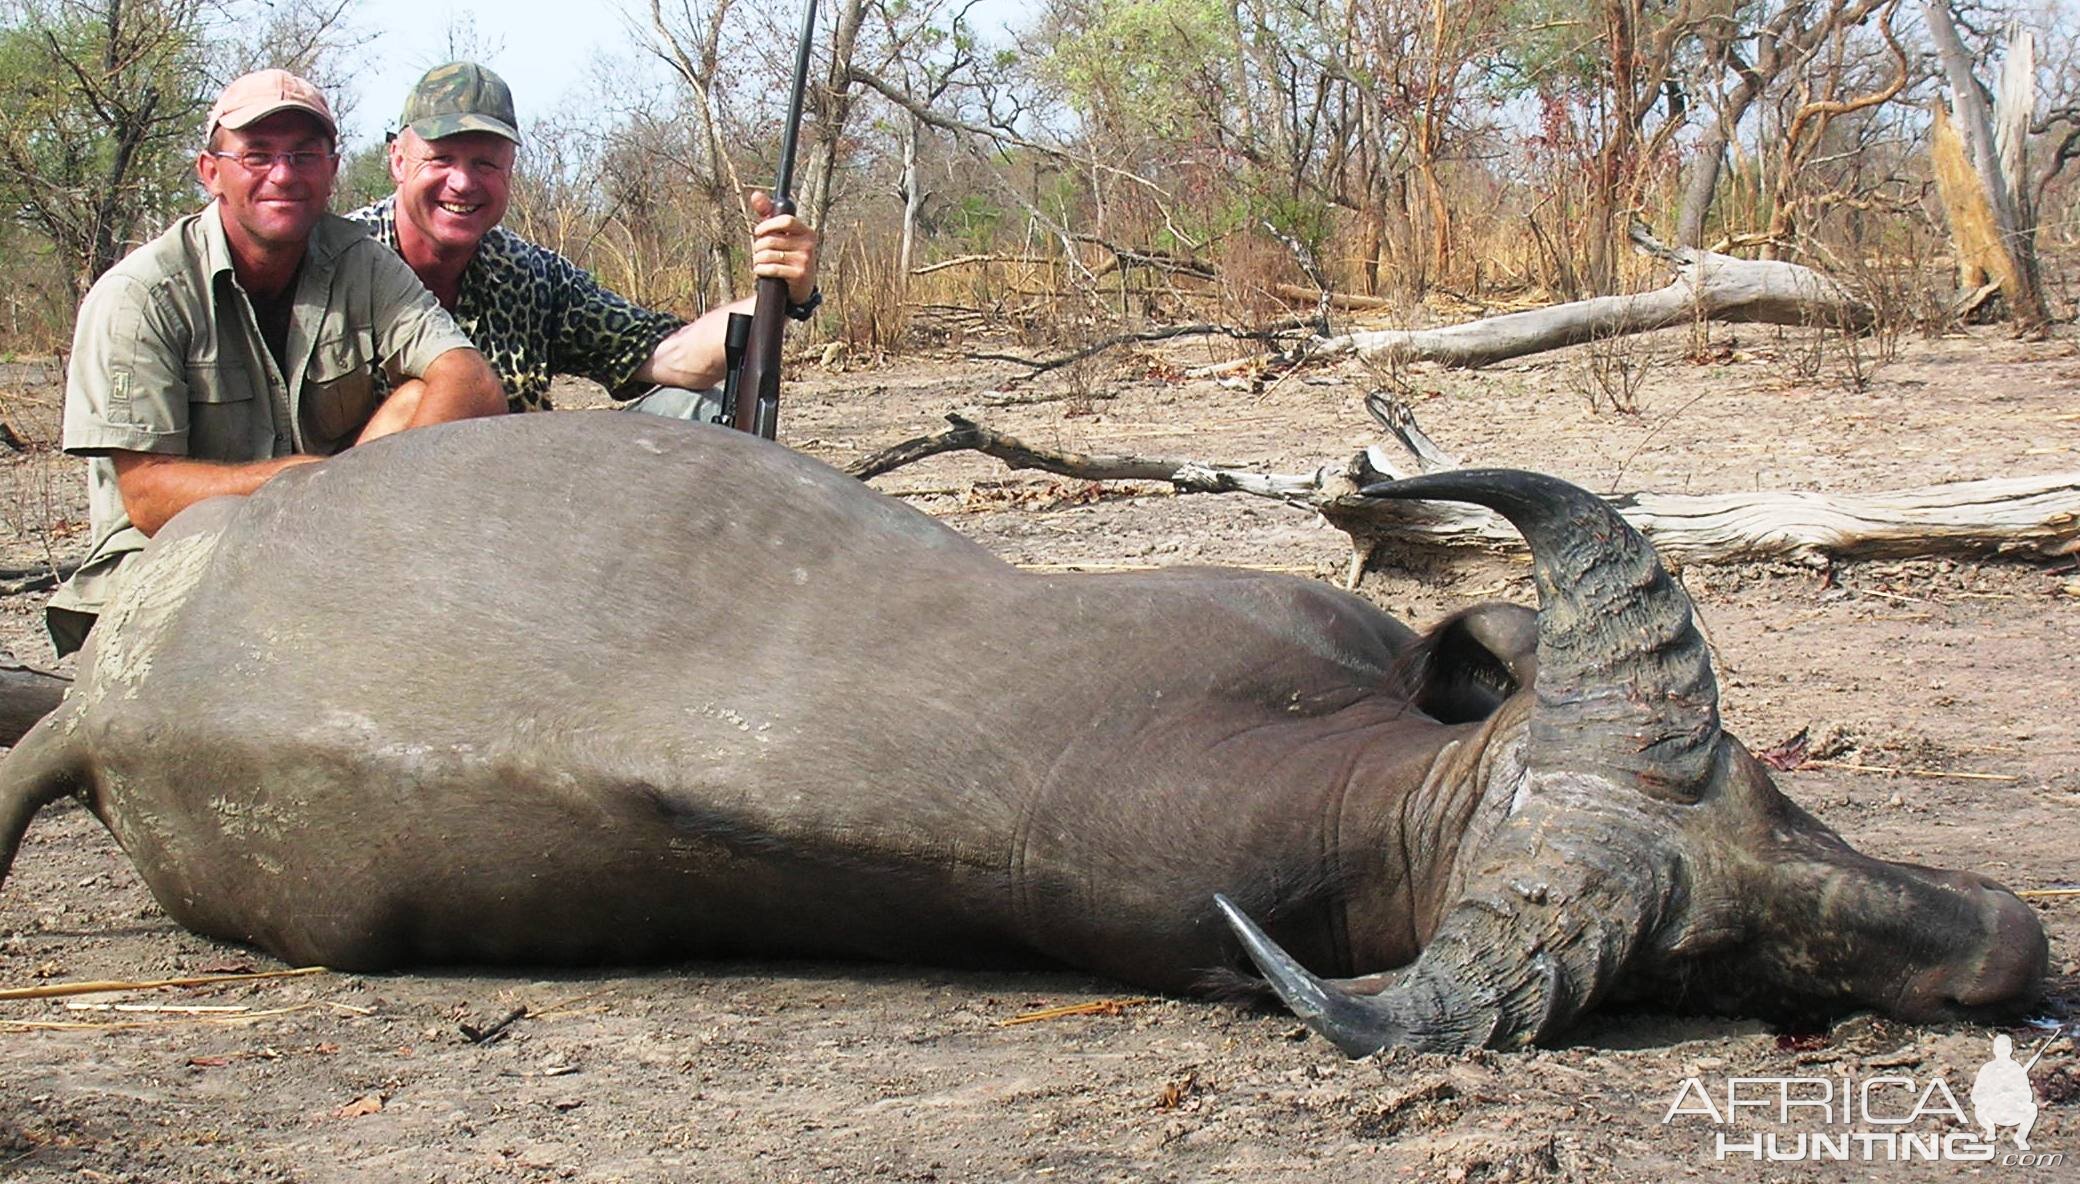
264,162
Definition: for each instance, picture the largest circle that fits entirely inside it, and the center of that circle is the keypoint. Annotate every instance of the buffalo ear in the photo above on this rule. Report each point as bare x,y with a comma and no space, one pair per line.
1472,662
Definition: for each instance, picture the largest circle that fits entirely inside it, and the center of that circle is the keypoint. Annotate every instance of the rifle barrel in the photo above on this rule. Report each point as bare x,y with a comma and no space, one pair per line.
783,192
2055,1034
757,407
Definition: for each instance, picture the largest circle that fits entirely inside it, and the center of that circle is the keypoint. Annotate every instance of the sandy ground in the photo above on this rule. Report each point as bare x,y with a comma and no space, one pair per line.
1948,684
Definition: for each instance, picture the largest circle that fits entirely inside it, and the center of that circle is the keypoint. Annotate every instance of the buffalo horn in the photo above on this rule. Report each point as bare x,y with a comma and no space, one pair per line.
1624,681
1357,1024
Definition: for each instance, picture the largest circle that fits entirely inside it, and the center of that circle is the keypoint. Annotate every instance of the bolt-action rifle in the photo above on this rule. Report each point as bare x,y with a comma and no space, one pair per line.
756,387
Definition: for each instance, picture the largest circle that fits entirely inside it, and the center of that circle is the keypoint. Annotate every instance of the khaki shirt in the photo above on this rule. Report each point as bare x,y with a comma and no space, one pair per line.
167,357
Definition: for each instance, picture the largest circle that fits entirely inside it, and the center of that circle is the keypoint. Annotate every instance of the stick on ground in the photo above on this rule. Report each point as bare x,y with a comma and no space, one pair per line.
60,990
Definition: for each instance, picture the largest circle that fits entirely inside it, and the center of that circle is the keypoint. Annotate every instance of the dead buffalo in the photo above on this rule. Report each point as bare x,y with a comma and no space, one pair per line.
602,688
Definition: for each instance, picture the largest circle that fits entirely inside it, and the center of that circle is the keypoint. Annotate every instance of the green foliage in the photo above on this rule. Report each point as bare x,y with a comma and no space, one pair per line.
1302,217
1551,46
364,177
1132,63
1254,198
36,297
100,111
974,221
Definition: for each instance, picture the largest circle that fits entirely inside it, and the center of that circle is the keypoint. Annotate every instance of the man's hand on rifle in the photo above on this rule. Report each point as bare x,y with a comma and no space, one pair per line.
784,246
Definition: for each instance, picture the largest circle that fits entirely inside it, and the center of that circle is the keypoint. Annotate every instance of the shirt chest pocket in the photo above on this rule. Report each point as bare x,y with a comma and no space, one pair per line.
339,394
221,408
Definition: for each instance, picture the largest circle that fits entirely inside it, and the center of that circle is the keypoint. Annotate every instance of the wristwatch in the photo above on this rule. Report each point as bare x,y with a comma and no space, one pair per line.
807,308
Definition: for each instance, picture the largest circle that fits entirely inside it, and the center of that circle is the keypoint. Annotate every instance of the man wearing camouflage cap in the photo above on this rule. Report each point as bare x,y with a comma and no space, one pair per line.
533,312
240,343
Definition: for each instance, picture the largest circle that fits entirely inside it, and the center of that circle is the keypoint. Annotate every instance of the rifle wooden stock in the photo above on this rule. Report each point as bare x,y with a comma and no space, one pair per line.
758,390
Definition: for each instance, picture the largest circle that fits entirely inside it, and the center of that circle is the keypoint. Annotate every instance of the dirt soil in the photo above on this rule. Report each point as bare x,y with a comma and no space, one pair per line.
1942,690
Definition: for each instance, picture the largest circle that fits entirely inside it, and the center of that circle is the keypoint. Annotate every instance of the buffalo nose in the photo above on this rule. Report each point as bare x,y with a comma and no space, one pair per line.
2010,972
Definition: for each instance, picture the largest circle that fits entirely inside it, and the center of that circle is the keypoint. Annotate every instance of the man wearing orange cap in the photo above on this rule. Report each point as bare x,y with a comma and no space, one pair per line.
241,342
534,313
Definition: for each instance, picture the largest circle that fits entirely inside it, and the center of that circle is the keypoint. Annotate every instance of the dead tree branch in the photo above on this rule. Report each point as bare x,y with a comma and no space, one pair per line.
1166,333
1186,476
986,260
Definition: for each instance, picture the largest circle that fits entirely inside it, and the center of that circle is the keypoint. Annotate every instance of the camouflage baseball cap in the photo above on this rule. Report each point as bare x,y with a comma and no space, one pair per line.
460,97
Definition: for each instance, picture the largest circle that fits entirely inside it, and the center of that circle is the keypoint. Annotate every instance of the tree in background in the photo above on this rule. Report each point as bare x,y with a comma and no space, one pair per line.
1138,159
101,106
101,110
314,39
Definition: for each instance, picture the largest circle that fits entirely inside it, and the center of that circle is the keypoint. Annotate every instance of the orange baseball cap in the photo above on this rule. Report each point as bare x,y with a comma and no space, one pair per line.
256,96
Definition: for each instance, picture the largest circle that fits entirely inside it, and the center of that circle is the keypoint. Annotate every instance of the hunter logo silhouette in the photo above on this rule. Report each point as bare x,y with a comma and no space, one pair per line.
2002,1095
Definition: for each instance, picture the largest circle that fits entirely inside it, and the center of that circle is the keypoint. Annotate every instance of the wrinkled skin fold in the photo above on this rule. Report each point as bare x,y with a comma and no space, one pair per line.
582,690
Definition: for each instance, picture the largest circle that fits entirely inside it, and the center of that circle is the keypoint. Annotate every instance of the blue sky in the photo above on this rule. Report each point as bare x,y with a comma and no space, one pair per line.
543,49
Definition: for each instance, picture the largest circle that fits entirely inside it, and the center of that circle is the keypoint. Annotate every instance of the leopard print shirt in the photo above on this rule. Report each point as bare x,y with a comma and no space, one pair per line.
535,314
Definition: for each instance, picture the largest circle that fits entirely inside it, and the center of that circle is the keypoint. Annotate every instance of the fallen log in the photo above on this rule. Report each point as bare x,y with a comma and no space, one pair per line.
1707,286
2039,515
2027,515
26,695
2031,515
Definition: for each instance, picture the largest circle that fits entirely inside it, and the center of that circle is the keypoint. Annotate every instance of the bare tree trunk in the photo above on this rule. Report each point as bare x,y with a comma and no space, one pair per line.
2012,110
697,67
1702,185
1615,158
719,287
1975,235
1372,235
1975,121
913,195
833,109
